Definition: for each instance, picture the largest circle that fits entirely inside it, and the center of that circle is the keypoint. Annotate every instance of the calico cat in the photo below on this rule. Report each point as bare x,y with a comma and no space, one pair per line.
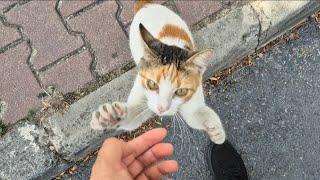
169,78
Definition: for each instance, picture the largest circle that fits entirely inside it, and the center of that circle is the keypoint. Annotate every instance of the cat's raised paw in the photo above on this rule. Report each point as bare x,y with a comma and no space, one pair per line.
215,132
108,116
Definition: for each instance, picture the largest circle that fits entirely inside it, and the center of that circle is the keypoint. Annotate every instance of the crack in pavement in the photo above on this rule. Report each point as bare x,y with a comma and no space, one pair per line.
118,18
15,5
260,27
64,58
83,10
85,40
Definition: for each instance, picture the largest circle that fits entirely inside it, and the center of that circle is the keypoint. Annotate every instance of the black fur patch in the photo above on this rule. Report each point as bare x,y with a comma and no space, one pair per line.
170,54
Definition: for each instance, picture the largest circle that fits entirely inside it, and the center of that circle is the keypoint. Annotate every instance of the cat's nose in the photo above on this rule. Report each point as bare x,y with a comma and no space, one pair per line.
163,109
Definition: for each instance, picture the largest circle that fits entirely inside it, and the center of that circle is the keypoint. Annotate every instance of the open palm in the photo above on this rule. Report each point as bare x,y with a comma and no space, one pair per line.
139,159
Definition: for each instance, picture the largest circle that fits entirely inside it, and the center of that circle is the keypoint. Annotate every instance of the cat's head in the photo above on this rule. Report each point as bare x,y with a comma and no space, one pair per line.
170,75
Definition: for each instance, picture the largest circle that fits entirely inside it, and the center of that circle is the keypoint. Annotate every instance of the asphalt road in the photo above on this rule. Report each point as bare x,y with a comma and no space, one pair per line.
271,113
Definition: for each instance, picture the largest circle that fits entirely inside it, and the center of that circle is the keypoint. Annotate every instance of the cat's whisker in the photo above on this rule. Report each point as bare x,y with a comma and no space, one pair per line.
138,109
181,134
174,128
185,131
146,113
141,107
190,132
191,135
143,102
183,128
143,114
173,123
179,125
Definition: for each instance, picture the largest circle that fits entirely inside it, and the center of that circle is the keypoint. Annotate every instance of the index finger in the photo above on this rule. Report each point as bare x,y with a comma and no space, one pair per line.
142,143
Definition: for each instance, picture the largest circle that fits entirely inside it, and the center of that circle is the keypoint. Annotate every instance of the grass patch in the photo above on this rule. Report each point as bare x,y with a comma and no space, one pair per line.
3,128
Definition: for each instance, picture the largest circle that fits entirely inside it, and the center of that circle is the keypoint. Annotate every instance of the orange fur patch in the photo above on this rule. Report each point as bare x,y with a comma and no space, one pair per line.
140,4
180,79
171,30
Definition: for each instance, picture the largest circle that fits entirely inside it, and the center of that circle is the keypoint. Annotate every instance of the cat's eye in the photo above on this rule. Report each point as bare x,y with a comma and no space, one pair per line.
182,92
152,85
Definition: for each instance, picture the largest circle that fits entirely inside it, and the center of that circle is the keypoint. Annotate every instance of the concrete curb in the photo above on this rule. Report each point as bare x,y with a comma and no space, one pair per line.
236,34
70,133
245,29
24,154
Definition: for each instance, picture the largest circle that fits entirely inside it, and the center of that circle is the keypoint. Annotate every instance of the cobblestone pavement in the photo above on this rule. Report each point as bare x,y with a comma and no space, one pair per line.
67,44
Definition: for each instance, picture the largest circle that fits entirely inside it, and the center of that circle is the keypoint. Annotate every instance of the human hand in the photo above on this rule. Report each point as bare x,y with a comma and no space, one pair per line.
137,159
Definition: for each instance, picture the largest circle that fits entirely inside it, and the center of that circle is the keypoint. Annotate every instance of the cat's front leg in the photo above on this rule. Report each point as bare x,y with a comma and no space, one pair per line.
212,124
120,115
127,116
109,116
215,131
205,118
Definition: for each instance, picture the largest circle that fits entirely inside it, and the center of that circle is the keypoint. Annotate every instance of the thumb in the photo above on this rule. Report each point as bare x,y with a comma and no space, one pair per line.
111,151
108,160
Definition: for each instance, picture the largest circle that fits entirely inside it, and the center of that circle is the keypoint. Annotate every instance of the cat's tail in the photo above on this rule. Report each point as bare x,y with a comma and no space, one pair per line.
140,4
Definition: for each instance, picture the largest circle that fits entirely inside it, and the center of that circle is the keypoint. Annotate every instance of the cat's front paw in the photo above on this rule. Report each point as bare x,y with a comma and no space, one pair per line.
108,116
215,132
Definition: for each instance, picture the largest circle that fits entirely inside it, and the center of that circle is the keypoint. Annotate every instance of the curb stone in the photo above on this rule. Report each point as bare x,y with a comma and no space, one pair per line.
276,17
238,33
24,147
249,27
70,133
232,37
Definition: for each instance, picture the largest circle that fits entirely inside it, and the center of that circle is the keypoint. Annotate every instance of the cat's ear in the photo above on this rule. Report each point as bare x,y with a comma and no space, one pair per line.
146,35
201,60
151,44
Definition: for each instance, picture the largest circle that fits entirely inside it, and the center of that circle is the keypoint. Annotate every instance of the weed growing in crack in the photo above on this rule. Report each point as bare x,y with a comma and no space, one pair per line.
3,128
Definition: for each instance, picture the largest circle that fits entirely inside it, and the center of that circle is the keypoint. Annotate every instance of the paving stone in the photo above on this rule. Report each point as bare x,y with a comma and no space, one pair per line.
18,87
70,133
194,11
69,75
42,25
70,6
7,35
127,10
127,14
23,153
108,41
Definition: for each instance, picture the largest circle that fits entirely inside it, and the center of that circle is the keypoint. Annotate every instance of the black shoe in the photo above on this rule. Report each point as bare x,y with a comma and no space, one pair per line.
226,163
